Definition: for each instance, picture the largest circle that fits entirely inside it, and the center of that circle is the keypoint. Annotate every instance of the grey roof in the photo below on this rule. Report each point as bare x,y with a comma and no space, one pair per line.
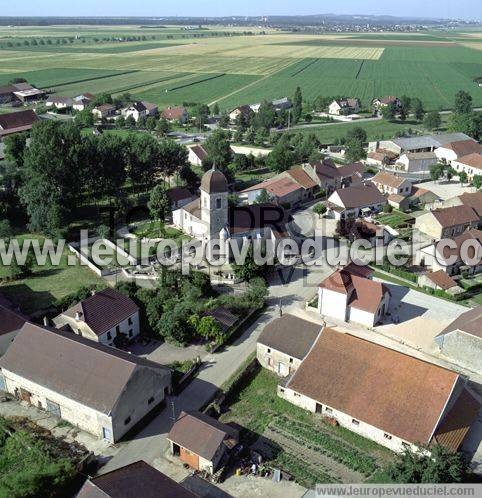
357,196
427,141
469,322
80,369
201,434
290,335
11,319
104,310
133,480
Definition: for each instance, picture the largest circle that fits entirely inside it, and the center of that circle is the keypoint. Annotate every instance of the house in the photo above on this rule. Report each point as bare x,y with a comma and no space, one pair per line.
99,389
440,256
285,342
446,222
60,103
290,188
140,109
426,143
278,105
388,183
245,110
202,441
350,295
108,317
179,197
422,196
11,321
328,176
394,399
380,102
178,113
416,162
462,340
103,111
196,154
344,106
82,101
355,201
381,157
15,122
470,199
439,280
471,164
135,479
454,150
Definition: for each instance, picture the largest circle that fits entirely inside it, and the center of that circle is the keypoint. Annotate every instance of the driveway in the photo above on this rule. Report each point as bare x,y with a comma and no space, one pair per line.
165,353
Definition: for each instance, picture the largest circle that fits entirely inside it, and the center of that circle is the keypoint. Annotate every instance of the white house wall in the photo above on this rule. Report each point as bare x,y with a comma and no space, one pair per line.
332,304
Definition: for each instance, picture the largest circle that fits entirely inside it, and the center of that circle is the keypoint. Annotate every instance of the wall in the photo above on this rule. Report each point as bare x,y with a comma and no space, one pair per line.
366,430
332,304
270,360
84,417
362,317
427,224
145,383
464,348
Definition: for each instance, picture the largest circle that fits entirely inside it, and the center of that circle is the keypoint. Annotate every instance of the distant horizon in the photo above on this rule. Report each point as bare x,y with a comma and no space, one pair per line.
414,9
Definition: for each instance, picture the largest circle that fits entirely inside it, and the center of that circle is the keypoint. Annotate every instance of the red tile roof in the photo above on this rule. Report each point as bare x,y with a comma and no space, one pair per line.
17,121
300,176
463,147
455,215
473,160
397,393
173,113
442,280
388,179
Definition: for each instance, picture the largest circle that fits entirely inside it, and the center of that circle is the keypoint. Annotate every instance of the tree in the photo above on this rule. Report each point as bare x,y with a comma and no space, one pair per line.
159,203
15,147
130,122
432,120
462,103
280,158
387,208
141,155
120,122
172,158
470,124
297,108
215,109
218,148
476,181
354,142
262,198
428,465
208,328
449,173
389,111
462,177
320,209
85,118
265,117
151,123
257,293
54,166
249,269
162,127
418,110
436,172
405,105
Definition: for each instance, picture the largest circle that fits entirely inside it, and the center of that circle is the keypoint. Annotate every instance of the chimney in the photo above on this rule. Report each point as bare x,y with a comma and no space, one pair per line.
46,321
77,315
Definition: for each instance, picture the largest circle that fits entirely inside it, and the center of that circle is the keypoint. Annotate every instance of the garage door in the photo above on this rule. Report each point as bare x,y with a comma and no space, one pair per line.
190,458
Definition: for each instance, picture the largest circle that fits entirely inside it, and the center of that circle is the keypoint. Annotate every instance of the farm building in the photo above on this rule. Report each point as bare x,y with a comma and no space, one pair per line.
201,441
196,155
60,103
99,389
285,342
104,111
471,165
15,122
439,280
416,162
446,222
82,101
415,403
178,113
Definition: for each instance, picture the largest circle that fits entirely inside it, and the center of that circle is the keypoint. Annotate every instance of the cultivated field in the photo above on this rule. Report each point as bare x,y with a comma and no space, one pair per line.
170,65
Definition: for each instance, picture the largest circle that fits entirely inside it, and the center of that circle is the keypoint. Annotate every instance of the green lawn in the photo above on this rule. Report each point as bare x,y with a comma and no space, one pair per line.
154,229
257,408
393,219
47,284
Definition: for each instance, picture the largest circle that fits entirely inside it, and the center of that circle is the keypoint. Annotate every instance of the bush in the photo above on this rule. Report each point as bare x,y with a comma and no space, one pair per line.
387,208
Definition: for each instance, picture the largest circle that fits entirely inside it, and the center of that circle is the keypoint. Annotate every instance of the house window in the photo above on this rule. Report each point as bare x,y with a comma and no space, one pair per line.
109,336
127,420
117,329
291,360
129,320
387,436
355,421
328,410
281,390
296,395
218,203
150,400
269,350
130,333
106,433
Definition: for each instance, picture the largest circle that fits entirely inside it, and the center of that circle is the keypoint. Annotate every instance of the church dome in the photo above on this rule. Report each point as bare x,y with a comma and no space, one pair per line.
214,182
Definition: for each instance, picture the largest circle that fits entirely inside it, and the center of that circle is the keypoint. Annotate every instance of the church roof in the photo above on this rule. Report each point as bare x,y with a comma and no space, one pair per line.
213,181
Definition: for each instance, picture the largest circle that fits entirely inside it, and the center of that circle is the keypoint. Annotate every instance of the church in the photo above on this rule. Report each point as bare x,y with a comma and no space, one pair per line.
211,218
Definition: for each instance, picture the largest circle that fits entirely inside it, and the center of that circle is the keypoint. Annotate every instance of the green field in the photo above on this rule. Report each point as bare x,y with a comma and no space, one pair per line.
171,65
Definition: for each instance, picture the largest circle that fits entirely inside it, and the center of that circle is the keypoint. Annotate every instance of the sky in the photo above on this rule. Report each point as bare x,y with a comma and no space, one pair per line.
467,9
